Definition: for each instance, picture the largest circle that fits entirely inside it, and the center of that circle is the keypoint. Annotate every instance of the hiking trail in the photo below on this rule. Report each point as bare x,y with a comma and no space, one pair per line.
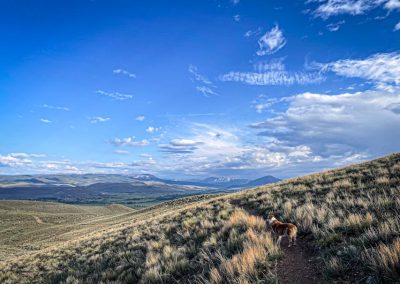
298,265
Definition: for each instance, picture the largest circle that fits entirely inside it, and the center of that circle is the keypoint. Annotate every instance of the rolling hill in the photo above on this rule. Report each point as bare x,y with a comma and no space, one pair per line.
348,221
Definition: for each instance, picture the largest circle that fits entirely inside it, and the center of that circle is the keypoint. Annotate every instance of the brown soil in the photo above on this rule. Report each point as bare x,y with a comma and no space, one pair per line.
298,265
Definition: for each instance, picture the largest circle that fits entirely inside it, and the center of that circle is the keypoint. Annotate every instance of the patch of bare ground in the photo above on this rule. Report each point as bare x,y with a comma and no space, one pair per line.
298,264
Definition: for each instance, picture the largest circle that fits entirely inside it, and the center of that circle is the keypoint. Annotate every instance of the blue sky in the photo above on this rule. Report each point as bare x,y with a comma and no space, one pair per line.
186,89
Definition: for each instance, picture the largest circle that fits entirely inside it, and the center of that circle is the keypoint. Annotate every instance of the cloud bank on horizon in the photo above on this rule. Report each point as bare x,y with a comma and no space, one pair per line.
181,90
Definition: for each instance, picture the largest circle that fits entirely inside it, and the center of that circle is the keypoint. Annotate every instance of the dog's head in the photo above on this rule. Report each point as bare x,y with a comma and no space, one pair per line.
271,219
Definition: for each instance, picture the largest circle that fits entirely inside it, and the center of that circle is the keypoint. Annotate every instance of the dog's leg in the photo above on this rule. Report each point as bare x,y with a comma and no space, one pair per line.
289,240
279,240
294,240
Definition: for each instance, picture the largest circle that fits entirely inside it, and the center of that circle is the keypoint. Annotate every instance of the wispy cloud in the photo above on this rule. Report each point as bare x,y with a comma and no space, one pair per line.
273,78
115,95
236,18
124,72
329,8
44,120
251,33
235,2
27,155
129,141
271,41
272,73
207,88
206,91
121,152
276,64
140,118
193,70
396,27
97,119
56,107
263,103
334,27
382,68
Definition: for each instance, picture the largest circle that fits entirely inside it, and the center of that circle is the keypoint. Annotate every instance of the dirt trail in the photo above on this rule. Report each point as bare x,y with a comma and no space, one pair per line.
297,265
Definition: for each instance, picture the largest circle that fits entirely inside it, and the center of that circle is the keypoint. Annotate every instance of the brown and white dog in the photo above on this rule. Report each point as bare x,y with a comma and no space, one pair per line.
283,230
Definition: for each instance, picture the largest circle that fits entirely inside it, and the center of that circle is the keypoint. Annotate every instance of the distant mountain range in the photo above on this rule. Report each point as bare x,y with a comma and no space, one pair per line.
104,187
229,182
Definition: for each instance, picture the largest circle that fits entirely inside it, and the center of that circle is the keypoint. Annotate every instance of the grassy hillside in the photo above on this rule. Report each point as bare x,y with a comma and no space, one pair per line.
348,217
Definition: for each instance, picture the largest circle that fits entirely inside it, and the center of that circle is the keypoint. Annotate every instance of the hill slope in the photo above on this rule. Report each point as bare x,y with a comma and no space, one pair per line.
349,217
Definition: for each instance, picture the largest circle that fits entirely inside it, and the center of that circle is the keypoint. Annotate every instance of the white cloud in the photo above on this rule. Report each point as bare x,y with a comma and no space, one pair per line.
27,155
193,70
207,88
115,95
235,2
396,27
180,146
381,68
392,4
140,118
124,72
334,125
251,33
56,107
271,65
334,27
152,129
271,41
184,142
225,150
206,91
329,8
273,78
44,120
263,103
236,18
14,160
121,152
272,72
129,141
97,119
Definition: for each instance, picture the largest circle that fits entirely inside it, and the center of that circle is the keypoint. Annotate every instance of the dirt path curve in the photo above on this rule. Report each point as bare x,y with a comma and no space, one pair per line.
297,265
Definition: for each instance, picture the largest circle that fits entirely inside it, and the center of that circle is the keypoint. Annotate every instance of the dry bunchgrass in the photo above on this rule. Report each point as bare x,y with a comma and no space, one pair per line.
385,260
251,263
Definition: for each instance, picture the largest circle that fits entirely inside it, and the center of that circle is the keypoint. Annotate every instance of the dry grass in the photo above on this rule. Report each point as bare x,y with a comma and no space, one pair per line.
385,260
